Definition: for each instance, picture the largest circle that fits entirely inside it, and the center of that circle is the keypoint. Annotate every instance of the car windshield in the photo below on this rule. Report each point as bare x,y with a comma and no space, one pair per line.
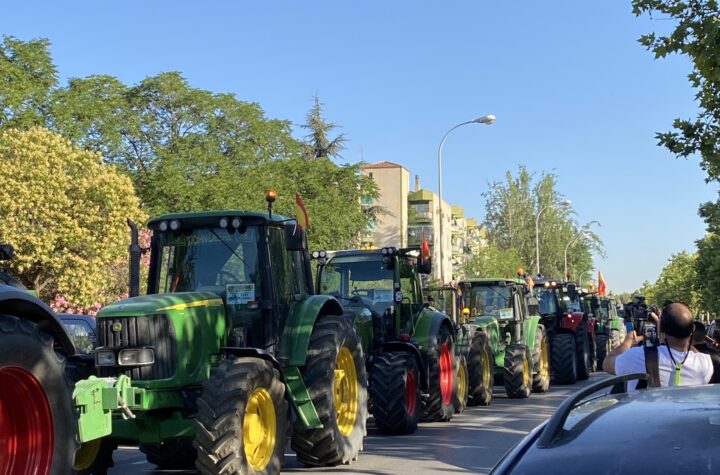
364,279
573,305
209,259
81,334
547,304
491,300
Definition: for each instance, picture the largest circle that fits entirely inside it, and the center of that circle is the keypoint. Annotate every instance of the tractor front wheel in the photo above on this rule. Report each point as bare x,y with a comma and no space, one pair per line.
175,454
37,421
242,419
395,390
541,362
334,374
461,381
480,370
517,374
582,346
439,405
94,457
603,348
562,359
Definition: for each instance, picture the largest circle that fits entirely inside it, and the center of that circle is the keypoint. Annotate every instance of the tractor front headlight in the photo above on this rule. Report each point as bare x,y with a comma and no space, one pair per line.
136,357
104,358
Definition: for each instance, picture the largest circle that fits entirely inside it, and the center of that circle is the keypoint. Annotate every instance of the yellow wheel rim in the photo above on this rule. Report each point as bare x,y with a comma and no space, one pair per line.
485,372
259,429
462,382
544,365
86,454
345,391
526,372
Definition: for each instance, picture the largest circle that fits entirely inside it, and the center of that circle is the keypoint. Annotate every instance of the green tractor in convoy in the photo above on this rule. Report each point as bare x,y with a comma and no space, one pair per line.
609,327
505,342
410,346
201,370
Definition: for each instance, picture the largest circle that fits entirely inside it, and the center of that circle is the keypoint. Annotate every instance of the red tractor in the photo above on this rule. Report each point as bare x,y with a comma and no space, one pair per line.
570,330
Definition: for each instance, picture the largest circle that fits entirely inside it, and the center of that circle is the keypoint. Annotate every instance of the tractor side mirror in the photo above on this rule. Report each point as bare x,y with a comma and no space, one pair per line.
572,291
533,305
295,238
594,303
424,266
6,252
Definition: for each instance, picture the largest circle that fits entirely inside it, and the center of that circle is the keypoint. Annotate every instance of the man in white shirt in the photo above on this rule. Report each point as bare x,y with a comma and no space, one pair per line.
678,363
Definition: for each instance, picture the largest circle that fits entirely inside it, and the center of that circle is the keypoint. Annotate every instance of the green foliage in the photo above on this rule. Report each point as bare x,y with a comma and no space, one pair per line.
64,211
512,207
188,149
677,282
707,278
695,34
492,261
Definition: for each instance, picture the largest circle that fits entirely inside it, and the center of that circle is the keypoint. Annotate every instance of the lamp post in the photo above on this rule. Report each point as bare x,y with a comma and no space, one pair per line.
537,233
573,241
487,120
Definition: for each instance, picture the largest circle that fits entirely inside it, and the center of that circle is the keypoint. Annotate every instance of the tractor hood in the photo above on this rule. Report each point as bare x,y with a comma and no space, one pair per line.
158,303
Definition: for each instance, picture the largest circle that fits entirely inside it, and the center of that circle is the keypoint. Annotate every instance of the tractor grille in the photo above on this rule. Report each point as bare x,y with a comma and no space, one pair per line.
154,331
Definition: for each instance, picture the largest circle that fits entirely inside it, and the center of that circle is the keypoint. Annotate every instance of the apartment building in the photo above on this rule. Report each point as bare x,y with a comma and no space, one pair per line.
390,227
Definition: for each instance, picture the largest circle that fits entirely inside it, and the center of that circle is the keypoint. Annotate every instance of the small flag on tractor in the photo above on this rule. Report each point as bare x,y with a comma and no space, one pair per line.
601,288
301,216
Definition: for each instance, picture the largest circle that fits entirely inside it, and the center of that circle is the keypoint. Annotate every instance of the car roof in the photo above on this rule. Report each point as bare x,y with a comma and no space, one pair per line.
641,432
75,316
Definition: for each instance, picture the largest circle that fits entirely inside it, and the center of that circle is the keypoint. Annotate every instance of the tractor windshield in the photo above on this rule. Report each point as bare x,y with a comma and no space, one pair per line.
547,303
489,300
364,279
210,260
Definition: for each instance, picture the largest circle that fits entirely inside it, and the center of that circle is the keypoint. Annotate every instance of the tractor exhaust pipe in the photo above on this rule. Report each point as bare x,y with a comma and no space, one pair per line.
134,261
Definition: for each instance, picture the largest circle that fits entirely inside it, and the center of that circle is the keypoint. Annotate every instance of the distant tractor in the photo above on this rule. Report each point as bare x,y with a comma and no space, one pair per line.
410,346
229,334
506,342
570,331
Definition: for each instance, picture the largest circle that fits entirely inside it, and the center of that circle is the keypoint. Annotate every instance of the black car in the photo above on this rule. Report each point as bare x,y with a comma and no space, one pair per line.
81,329
664,430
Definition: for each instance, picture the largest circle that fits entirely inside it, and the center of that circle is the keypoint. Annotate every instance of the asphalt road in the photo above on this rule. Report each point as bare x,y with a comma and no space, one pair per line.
471,443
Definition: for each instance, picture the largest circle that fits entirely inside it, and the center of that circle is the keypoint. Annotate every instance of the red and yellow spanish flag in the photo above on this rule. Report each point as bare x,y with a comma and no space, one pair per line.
424,248
301,216
601,288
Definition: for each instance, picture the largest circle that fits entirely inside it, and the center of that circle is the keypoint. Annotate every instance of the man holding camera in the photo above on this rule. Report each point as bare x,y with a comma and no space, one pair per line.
675,363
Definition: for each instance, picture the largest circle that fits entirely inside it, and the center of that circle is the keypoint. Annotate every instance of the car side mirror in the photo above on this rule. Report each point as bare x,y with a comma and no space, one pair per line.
295,238
533,305
424,266
594,302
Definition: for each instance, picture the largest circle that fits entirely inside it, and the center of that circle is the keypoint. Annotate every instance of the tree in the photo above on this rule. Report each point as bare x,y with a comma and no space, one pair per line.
64,211
695,34
27,75
317,142
707,273
492,261
512,207
677,282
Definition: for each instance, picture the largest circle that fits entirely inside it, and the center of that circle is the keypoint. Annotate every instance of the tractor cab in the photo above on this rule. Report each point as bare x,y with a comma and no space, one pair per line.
384,284
502,300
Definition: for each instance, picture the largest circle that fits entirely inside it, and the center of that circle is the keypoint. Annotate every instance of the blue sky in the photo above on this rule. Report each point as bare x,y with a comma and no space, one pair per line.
573,92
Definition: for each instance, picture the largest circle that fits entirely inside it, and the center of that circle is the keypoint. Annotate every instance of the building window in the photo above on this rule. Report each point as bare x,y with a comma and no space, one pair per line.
415,234
421,211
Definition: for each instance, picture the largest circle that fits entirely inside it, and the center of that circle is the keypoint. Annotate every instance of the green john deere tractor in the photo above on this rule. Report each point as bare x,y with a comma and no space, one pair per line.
609,327
201,370
505,341
409,345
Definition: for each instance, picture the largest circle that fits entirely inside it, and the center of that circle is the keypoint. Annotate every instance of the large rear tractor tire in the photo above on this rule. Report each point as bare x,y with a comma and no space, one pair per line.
334,374
41,441
517,372
176,454
480,371
395,389
242,419
541,362
603,348
582,346
439,405
562,359
460,399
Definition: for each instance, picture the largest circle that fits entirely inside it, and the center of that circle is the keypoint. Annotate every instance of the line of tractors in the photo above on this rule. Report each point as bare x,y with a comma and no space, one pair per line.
241,343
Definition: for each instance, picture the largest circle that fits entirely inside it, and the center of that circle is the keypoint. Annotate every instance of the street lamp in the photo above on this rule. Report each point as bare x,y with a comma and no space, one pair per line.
487,120
585,236
563,203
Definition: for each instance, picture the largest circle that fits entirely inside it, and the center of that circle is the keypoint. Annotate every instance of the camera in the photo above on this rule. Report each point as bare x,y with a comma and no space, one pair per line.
639,314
